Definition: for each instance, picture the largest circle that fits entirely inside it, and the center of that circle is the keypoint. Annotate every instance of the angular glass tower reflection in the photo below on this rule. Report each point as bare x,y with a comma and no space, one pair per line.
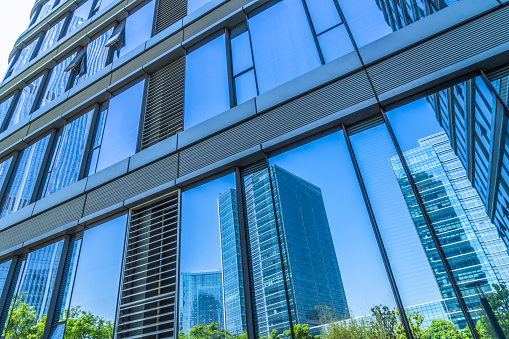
201,301
470,241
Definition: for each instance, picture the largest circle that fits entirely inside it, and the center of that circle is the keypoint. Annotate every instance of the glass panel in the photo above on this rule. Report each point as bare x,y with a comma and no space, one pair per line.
324,14
335,43
79,16
66,158
57,82
51,36
245,87
120,136
193,5
45,9
96,56
23,180
4,269
4,168
103,4
25,102
4,108
206,78
24,57
241,49
58,332
425,290
283,45
138,29
29,306
326,236
211,283
97,281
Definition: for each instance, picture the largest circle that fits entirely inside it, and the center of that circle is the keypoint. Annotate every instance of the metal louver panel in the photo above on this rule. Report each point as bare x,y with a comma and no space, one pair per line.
169,12
148,302
164,114
365,125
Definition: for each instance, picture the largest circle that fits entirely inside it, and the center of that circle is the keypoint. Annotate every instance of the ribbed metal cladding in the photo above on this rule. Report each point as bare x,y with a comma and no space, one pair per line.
164,115
148,303
169,12
365,125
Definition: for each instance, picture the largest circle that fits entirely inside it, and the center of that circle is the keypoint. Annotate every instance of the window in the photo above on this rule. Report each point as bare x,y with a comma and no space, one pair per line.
283,45
23,58
99,4
22,182
193,5
51,36
4,270
136,29
57,82
207,79
66,157
242,64
25,102
43,10
79,16
4,108
116,132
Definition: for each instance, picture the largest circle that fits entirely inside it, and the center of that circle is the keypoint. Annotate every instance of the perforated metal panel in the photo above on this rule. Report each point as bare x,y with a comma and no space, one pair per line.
169,12
164,114
148,301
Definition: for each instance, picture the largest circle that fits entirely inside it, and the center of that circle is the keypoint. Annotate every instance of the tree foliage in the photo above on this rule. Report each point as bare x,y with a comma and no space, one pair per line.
499,302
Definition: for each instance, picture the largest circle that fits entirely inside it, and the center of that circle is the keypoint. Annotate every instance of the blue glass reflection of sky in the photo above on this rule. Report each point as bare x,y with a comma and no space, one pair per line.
413,122
206,82
415,280
138,28
193,5
98,274
326,164
200,243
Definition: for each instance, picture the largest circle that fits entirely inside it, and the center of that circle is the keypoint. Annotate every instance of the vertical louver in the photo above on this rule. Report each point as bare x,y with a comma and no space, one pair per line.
148,302
164,114
169,12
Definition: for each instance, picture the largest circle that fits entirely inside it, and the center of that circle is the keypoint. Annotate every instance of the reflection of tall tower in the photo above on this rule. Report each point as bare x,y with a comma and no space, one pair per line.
311,267
470,241
401,13
201,300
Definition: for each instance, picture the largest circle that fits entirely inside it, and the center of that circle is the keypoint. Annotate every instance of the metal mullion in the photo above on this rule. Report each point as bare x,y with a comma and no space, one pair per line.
492,89
7,286
452,119
431,229
88,144
319,50
177,276
43,165
57,287
352,40
15,291
10,109
253,62
229,62
121,278
330,29
38,94
432,4
378,236
8,178
37,46
243,72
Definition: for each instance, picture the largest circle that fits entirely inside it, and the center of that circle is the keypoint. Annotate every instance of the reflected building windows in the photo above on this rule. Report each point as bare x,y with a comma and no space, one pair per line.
25,102
57,82
51,36
5,105
23,58
4,270
79,16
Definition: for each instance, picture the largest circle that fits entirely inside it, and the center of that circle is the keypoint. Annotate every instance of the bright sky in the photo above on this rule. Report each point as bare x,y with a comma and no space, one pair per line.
14,20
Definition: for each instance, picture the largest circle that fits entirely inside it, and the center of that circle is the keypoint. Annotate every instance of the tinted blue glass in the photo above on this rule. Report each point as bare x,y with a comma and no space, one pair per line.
193,5
80,15
4,269
57,82
4,168
4,107
283,45
98,273
365,19
335,43
245,87
324,14
58,332
65,162
51,36
104,3
206,80
45,9
95,148
138,29
24,57
25,102
120,135
241,49
23,179
97,55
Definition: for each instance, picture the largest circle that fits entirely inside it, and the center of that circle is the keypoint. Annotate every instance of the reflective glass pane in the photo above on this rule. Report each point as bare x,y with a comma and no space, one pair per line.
79,16
283,45
193,5
241,49
206,82
335,43
58,332
30,303
22,181
66,158
25,102
120,136
24,57
211,282
424,287
57,82
103,4
95,148
4,168
245,87
4,107
138,29
324,14
45,9
96,57
4,269
337,274
51,36
97,281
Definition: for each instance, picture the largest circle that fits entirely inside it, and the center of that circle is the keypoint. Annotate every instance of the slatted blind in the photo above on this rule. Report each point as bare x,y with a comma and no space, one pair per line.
148,303
169,12
164,115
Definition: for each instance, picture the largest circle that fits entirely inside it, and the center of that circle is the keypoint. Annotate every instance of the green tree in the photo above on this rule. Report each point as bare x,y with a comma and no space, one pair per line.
23,322
499,302
443,329
415,321
301,332
210,331
82,324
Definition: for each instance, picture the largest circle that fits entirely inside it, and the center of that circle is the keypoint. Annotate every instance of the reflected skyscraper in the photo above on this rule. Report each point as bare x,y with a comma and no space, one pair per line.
469,239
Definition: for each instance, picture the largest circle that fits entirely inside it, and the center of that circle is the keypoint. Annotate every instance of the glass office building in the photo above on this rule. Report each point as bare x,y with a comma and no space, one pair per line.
249,169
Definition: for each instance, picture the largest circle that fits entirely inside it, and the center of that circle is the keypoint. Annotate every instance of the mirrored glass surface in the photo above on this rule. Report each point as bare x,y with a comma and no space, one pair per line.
206,81
45,10
245,87
211,281
51,37
283,45
241,49
25,102
335,43
4,269
57,81
193,5
97,54
79,16
24,57
4,108
324,14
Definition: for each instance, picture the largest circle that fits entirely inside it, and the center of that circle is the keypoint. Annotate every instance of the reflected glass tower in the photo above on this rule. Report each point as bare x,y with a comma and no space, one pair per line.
201,300
469,239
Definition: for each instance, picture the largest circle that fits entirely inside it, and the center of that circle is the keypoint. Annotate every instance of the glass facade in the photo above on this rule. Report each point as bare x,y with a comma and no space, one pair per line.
56,84
25,102
51,36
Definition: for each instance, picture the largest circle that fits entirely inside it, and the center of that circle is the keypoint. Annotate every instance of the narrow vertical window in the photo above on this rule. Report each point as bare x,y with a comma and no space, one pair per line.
57,81
5,105
25,102
51,36
242,64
